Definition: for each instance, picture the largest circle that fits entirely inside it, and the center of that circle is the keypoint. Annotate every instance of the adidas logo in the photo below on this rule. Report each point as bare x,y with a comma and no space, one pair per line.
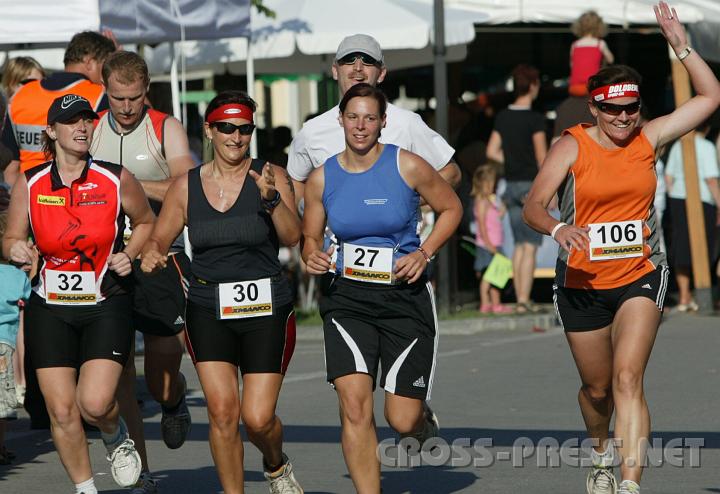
419,383
647,285
179,320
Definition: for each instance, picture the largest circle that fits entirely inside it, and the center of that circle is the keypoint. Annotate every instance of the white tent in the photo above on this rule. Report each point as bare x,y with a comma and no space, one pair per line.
305,34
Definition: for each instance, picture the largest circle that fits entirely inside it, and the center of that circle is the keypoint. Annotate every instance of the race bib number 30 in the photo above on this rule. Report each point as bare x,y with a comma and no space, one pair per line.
242,299
70,287
616,240
368,264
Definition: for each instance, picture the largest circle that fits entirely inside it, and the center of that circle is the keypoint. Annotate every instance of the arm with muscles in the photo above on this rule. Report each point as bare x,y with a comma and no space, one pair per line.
317,261
451,174
179,160
553,171
481,209
494,148
170,222
428,183
707,88
15,244
283,213
136,207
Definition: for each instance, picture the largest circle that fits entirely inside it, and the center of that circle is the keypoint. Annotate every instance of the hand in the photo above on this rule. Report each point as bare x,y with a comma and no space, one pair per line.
265,182
572,237
320,262
22,253
410,267
120,263
153,261
670,26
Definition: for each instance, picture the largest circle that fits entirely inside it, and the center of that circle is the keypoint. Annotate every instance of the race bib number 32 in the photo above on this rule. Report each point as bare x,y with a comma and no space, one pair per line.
369,264
70,287
241,299
616,240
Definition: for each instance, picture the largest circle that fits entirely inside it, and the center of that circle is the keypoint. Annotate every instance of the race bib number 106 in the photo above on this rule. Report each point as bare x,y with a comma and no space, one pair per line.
616,240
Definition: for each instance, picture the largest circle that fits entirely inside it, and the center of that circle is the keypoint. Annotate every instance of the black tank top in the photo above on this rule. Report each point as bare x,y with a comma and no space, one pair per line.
240,244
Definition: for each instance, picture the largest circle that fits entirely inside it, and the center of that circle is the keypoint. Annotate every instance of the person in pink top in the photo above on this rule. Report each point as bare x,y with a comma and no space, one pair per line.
489,211
588,52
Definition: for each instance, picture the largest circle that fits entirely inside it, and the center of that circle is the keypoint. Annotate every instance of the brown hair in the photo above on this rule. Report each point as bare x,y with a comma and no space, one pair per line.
523,77
589,23
48,146
17,70
228,97
364,90
127,67
88,44
613,74
483,174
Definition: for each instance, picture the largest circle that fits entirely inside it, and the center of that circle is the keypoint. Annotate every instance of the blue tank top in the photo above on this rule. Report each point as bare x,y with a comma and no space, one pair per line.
374,208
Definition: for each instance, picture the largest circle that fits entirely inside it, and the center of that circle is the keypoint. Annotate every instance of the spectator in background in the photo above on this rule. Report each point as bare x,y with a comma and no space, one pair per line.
489,211
281,139
588,52
18,71
519,142
707,164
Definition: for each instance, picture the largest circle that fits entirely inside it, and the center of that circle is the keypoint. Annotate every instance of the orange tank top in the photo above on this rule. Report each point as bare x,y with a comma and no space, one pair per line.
609,186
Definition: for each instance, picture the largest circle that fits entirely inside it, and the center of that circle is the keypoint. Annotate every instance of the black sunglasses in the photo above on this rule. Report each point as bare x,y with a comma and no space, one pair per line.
615,110
366,59
229,129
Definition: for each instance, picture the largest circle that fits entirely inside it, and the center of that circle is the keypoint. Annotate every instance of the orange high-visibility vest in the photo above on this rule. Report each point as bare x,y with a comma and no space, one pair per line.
28,110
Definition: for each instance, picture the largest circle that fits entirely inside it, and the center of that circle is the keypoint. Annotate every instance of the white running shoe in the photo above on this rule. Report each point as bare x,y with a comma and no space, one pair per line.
125,464
628,487
284,483
601,480
146,485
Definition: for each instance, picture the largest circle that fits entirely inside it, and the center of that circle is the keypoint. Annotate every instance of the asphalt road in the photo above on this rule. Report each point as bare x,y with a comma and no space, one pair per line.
514,391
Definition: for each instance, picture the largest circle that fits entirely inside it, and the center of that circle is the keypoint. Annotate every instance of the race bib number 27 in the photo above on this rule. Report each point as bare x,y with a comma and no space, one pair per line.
616,240
368,264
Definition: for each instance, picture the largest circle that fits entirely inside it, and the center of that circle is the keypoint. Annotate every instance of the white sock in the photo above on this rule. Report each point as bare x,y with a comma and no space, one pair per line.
87,487
113,439
604,459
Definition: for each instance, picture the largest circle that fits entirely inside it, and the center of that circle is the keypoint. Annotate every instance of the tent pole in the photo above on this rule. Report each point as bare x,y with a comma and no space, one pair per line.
693,205
446,269
250,75
174,83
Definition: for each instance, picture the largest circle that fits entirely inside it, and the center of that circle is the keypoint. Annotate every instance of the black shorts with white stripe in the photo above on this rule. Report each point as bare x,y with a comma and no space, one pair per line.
586,310
367,325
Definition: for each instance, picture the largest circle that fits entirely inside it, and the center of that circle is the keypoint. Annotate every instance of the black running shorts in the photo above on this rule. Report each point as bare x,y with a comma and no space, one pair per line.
586,310
65,336
255,344
159,298
394,326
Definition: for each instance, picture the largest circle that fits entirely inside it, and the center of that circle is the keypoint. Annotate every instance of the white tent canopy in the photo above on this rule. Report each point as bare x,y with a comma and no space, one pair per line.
305,34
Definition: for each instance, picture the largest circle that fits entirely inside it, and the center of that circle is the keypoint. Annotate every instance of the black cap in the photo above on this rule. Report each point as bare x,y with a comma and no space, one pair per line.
66,107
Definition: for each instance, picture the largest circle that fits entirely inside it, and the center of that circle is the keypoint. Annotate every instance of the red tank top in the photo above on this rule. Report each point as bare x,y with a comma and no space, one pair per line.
77,227
585,62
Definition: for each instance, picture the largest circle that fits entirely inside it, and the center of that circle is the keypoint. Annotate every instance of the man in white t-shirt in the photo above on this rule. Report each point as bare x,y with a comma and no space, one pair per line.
359,59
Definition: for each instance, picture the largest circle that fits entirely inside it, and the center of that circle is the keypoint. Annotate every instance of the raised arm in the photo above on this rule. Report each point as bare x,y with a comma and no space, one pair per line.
707,88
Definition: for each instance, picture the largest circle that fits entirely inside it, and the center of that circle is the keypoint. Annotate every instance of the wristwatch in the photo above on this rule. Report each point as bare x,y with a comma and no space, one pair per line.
270,204
684,54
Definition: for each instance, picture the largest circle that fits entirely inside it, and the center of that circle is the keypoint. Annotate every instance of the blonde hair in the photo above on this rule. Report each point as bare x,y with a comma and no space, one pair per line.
589,23
484,174
17,70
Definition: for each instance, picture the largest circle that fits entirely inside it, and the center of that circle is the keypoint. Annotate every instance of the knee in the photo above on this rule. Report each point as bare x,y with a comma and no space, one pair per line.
405,424
356,412
95,408
628,382
258,423
63,414
597,394
224,415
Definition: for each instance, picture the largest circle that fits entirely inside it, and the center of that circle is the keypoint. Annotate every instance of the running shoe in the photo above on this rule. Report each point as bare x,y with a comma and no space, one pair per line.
432,425
628,487
175,427
601,480
146,485
285,482
125,464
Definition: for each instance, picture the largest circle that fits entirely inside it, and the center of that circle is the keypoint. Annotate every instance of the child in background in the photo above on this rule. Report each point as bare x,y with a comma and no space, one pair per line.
14,290
489,234
588,52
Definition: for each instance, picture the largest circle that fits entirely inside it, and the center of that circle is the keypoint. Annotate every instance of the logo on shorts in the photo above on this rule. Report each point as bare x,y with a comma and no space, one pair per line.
647,286
179,321
51,200
419,382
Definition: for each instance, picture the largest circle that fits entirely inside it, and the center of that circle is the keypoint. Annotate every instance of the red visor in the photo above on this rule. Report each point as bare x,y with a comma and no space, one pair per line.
233,110
620,90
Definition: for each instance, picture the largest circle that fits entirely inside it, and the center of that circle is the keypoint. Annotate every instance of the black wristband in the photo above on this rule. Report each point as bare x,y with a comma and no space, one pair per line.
270,205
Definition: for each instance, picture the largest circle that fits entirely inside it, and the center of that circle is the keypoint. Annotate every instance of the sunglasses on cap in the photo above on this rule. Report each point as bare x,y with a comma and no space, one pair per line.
615,110
229,129
366,59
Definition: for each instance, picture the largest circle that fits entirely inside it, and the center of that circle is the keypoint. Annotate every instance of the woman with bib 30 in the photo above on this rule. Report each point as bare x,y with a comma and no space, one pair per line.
380,308
239,314
611,276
